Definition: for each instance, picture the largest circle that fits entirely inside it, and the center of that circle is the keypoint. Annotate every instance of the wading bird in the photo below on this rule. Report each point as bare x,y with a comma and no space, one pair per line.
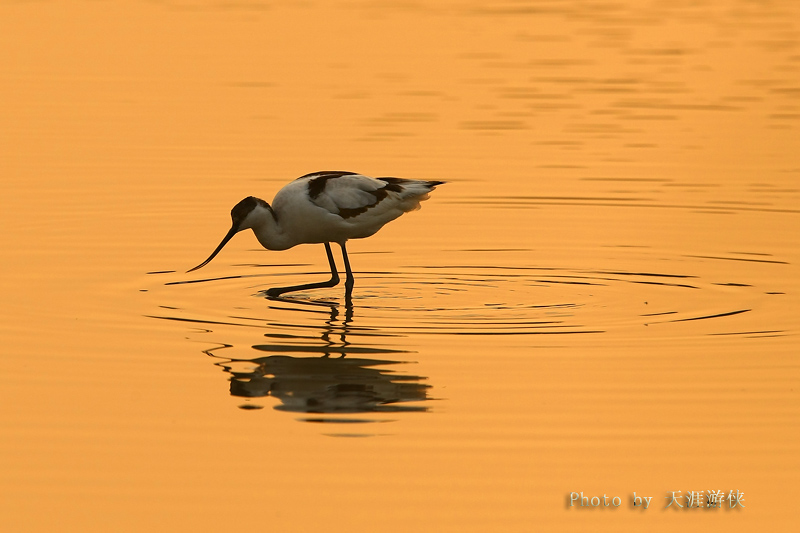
322,208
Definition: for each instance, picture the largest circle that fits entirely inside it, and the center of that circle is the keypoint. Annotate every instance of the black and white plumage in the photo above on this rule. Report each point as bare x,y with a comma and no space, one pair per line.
325,207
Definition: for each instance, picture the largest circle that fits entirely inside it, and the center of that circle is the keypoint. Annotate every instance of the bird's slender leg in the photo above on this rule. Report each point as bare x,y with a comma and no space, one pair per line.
277,291
350,280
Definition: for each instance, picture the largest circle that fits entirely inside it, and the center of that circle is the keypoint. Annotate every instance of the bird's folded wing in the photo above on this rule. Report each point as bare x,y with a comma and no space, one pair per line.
350,193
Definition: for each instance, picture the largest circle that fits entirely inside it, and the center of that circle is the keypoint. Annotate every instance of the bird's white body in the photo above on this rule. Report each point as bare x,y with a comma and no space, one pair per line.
346,206
325,207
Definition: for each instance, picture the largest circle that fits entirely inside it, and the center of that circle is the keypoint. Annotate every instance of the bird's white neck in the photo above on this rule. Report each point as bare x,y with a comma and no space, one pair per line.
268,230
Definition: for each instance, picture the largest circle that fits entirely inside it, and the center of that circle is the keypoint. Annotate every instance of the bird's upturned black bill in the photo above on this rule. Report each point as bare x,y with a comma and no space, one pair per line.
228,237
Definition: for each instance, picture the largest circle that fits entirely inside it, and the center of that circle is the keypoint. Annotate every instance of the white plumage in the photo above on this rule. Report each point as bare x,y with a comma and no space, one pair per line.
325,207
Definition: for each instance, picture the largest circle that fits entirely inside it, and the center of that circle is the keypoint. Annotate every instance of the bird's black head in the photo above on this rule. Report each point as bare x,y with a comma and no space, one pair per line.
242,209
239,220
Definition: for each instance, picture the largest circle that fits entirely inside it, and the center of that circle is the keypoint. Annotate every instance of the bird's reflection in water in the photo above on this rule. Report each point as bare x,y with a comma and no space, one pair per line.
329,376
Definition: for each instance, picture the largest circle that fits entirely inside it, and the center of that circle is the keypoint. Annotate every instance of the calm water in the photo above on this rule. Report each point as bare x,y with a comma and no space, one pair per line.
602,299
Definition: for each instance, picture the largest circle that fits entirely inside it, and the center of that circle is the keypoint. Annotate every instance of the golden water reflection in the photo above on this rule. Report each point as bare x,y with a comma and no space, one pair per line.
325,385
340,380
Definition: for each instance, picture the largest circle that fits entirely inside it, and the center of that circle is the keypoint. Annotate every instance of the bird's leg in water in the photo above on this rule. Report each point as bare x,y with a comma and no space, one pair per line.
349,280
277,291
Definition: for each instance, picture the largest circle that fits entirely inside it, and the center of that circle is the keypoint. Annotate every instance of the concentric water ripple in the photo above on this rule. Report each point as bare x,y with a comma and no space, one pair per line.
486,300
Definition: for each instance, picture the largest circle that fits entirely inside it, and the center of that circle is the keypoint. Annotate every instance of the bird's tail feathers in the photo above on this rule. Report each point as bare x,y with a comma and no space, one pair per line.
410,192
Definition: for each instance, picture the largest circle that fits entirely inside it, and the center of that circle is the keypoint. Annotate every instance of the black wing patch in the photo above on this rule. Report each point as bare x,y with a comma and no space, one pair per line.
379,195
319,180
317,184
396,184
392,185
